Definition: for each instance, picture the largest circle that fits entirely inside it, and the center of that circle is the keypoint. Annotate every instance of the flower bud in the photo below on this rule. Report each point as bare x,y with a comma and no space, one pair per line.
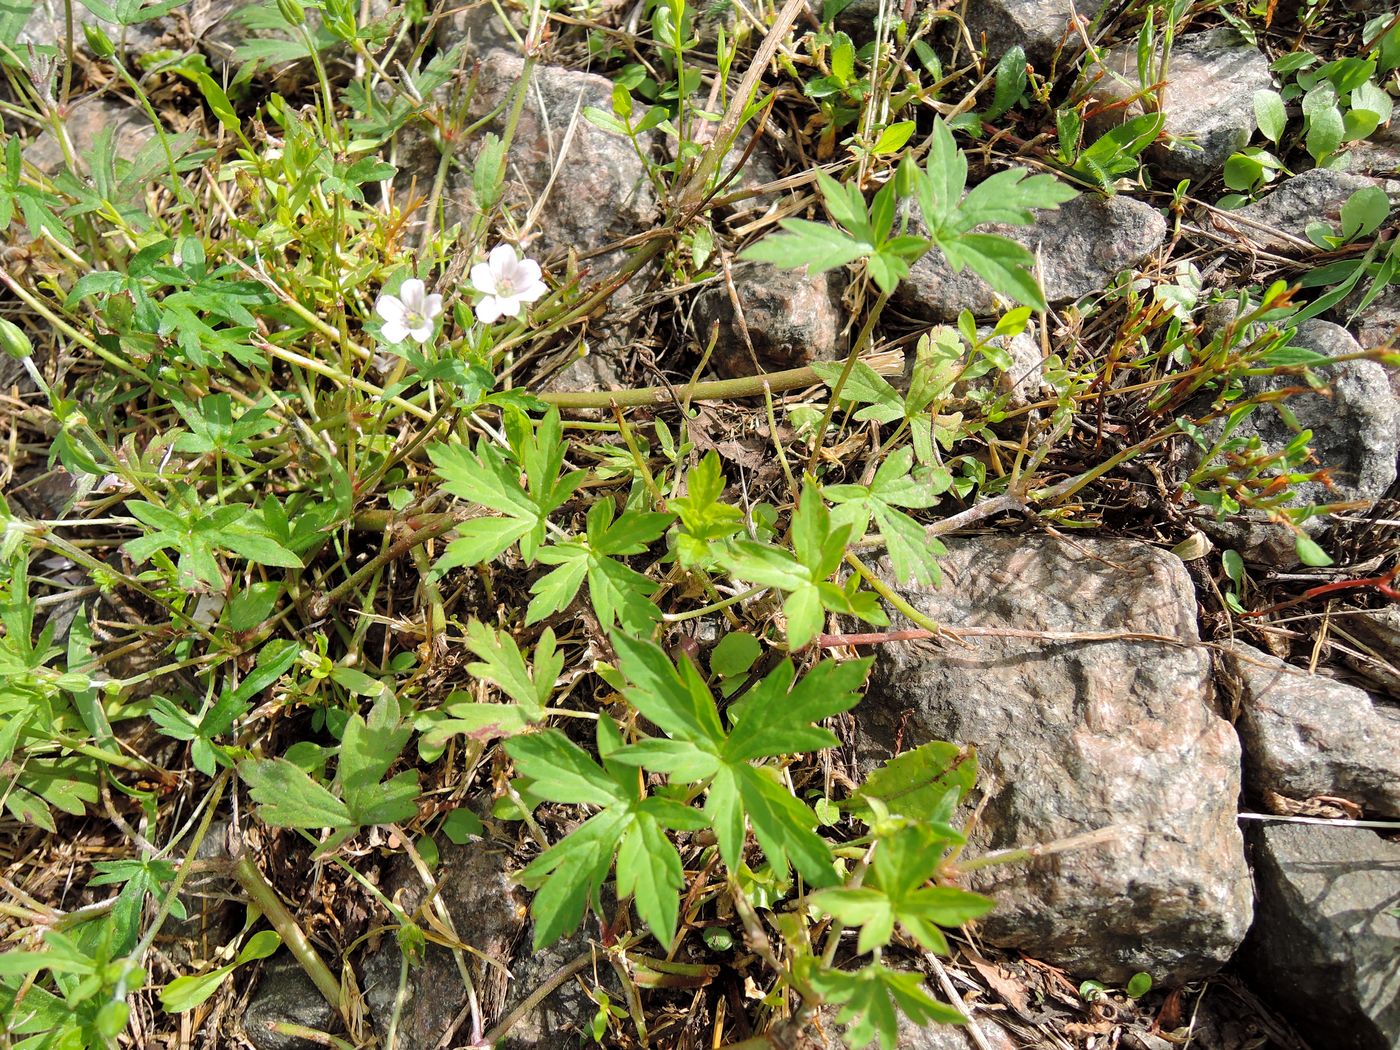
292,12
98,40
15,342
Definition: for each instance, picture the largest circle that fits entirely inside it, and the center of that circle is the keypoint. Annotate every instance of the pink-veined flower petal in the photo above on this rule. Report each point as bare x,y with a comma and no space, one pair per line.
389,308
395,331
483,280
502,260
532,292
488,310
510,306
527,273
432,306
422,331
411,292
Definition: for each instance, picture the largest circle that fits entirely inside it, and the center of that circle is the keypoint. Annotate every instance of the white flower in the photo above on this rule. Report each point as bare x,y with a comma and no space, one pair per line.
410,313
507,281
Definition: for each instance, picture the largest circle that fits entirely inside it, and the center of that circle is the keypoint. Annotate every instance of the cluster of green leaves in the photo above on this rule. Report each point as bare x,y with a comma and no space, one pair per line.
1340,102
90,961
951,214
735,762
359,796
46,708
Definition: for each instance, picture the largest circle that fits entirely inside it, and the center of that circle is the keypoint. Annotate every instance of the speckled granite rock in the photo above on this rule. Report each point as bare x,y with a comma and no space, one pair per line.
1075,737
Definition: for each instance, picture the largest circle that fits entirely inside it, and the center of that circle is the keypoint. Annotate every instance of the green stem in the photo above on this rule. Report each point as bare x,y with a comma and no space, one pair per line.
712,390
247,875
447,523
892,596
856,348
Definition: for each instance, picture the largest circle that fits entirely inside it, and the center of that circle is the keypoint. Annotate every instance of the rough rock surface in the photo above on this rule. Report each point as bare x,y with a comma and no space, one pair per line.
285,994
1356,435
1377,633
1076,737
488,911
1082,246
1296,203
1356,431
791,319
47,25
1325,949
1378,324
596,370
1305,735
600,193
560,1020
480,27
1211,80
1038,26
88,117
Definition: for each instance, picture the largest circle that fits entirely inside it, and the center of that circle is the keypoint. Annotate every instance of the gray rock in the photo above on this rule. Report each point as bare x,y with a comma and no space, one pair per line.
1378,155
560,1020
1080,736
791,319
595,370
481,29
1082,246
1378,324
285,995
488,911
1325,947
1377,631
1041,27
601,192
1356,430
1296,203
859,19
1258,538
1209,97
47,27
1305,735
86,118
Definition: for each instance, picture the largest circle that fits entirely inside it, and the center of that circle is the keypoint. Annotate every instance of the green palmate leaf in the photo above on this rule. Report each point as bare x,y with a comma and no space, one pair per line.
846,204
819,546
1010,197
1001,262
503,664
489,479
940,191
912,552
569,874
896,894
776,718
703,518
872,998
619,594
924,784
288,798
814,245
865,386
367,750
